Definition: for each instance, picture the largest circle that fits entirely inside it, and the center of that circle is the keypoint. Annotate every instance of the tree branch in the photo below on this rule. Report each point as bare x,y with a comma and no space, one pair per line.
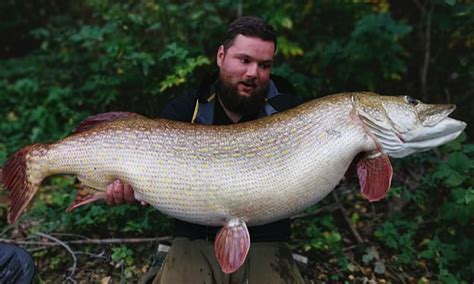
317,212
73,269
88,241
427,51
347,219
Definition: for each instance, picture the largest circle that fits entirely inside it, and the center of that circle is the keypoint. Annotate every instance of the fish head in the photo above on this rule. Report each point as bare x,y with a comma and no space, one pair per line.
403,125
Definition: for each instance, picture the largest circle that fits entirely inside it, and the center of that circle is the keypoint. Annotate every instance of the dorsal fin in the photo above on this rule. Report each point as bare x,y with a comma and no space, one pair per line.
94,120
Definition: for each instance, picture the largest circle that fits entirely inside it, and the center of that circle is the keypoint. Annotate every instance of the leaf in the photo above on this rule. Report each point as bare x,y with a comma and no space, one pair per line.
450,2
182,71
460,162
367,258
455,179
174,51
379,267
469,148
447,277
355,218
351,267
467,199
26,87
371,254
288,48
154,27
443,171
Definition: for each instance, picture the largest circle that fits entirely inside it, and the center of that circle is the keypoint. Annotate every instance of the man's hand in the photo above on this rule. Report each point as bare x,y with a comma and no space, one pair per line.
119,192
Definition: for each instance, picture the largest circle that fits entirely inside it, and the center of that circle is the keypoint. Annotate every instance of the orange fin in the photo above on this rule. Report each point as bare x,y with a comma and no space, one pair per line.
232,245
94,120
15,178
84,196
375,176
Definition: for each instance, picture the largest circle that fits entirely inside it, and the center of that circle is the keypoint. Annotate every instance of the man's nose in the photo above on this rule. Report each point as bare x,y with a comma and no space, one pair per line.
252,70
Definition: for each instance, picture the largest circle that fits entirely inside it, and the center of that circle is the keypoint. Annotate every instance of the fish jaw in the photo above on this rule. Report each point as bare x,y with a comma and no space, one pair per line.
425,138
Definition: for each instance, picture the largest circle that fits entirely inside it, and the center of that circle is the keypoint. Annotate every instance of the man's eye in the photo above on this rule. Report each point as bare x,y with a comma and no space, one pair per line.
244,60
265,65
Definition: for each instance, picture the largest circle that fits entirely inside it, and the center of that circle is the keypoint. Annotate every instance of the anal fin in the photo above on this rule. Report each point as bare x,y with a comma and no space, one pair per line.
232,245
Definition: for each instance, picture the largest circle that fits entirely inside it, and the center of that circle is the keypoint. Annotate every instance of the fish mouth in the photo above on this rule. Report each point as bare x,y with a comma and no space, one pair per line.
446,127
428,137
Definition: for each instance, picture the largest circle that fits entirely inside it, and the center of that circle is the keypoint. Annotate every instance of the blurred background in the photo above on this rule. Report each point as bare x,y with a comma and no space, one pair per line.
61,61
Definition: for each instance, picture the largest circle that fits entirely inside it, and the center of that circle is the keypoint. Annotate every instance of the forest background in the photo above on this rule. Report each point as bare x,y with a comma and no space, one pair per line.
61,61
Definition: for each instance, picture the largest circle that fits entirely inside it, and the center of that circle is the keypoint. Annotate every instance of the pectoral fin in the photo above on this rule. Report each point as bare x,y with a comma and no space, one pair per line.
375,176
232,245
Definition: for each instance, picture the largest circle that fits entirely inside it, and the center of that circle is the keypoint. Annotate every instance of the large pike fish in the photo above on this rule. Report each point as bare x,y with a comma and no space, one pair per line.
237,175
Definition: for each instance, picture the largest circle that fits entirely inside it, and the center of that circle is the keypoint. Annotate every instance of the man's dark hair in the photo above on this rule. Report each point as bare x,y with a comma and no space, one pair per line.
252,27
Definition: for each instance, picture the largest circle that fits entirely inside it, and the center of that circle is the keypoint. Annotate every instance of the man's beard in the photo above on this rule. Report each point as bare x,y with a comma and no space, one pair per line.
244,105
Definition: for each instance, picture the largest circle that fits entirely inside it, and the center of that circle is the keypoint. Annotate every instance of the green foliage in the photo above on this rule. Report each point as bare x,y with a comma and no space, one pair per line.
322,235
385,55
63,61
441,232
122,254
398,235
184,65
124,258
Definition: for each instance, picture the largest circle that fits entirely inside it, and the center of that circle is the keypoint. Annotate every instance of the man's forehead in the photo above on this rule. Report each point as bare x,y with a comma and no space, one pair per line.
253,46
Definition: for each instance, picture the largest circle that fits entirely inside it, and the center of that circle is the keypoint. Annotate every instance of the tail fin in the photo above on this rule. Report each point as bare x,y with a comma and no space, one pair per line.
20,180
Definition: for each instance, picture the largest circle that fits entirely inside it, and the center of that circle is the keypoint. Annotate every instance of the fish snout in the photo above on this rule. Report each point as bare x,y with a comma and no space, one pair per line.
430,115
429,137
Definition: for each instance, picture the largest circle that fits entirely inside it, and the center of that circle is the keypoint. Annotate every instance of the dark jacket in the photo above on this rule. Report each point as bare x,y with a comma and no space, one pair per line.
16,265
200,107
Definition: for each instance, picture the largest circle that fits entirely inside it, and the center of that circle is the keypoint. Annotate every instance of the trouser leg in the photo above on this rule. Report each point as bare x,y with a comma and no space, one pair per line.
193,261
272,262
187,262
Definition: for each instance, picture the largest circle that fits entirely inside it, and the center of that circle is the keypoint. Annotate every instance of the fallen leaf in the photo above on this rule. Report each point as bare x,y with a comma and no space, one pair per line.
106,280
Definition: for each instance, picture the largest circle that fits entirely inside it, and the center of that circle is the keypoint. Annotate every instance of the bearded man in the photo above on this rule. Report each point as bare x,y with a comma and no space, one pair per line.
242,89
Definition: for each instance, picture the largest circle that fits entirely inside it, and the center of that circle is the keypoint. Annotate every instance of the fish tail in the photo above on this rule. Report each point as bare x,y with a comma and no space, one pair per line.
22,176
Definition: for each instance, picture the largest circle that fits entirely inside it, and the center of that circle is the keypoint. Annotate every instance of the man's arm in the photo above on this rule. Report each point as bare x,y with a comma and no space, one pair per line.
181,108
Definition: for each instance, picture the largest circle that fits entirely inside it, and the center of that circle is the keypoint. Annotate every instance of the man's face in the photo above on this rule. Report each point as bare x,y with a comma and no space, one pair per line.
245,69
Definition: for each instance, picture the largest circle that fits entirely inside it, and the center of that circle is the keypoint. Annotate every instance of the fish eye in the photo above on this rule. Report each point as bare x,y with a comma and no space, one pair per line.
411,100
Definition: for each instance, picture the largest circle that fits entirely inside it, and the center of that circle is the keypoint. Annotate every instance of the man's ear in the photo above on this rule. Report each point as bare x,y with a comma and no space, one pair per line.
220,55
